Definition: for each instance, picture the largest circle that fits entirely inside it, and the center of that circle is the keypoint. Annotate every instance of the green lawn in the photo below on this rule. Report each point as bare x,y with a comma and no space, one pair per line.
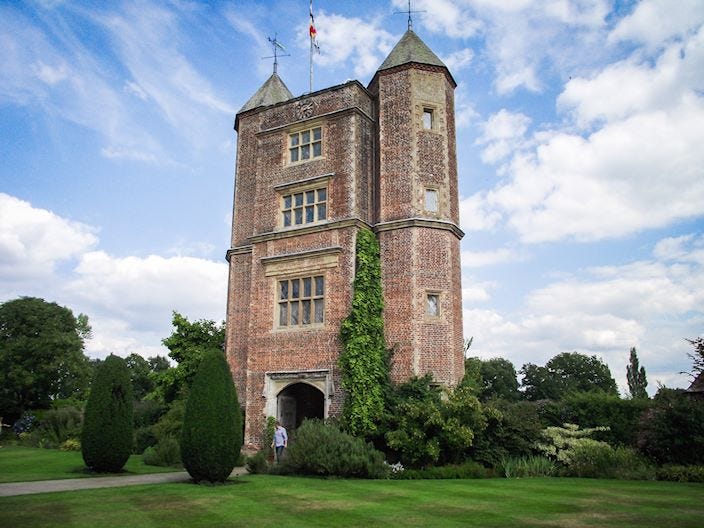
263,500
23,464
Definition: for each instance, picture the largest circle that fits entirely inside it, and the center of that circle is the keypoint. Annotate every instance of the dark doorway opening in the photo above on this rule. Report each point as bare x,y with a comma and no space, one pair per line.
297,402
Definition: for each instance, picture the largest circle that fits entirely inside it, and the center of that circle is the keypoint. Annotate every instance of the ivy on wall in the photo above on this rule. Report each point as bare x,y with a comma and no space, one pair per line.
363,361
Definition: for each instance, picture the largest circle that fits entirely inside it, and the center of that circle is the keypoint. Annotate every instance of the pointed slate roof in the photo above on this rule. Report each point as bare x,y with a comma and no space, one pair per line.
410,49
697,385
271,92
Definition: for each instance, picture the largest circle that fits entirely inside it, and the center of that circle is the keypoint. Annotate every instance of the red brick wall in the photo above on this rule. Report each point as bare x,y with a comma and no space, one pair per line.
381,167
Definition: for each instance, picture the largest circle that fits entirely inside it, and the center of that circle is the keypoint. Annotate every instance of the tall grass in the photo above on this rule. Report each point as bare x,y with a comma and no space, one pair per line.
526,466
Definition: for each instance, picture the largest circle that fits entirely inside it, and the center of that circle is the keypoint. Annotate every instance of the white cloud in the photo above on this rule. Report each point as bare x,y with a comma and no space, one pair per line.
363,42
59,71
656,21
135,89
129,300
33,240
474,292
642,166
132,297
444,16
51,74
650,304
479,259
476,215
524,38
634,86
677,248
502,135
458,60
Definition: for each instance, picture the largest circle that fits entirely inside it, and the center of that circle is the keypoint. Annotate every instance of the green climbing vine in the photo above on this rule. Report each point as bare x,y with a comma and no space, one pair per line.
363,361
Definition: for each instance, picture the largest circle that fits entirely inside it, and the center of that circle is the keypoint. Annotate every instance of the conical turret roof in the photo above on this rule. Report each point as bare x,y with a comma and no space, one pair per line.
410,49
271,92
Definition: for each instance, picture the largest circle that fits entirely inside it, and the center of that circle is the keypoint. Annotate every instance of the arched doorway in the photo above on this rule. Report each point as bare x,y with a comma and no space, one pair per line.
297,402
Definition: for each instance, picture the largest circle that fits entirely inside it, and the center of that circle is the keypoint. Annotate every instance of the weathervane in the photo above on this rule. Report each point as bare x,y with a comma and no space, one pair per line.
276,45
408,11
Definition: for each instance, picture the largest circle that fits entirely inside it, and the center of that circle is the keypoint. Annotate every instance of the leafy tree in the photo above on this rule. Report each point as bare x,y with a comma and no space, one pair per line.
697,356
594,409
106,441
143,373
139,375
158,364
566,373
187,345
672,431
495,378
41,355
499,380
212,426
512,429
425,429
635,375
363,361
472,378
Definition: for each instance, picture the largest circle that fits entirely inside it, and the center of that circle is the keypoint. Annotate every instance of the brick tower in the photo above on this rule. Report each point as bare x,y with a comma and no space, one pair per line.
310,172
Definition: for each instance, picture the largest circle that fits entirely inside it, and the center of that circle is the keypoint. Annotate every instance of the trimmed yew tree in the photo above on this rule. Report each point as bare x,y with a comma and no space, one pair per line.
106,440
212,425
363,361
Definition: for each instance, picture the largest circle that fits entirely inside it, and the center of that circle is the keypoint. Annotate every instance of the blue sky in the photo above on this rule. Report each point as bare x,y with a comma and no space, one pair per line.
580,133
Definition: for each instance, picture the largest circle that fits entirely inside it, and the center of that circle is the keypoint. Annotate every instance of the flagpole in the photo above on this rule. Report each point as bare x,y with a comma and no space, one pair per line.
310,34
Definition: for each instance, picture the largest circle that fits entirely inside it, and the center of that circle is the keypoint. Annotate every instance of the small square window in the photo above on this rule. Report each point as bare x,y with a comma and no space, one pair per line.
431,200
432,305
428,118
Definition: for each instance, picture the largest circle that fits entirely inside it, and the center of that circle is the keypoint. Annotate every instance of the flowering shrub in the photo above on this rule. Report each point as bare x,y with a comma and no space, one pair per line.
559,443
395,468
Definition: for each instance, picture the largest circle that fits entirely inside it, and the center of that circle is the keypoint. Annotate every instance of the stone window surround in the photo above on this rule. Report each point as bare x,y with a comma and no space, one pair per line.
438,207
313,299
295,266
301,186
437,119
298,128
439,314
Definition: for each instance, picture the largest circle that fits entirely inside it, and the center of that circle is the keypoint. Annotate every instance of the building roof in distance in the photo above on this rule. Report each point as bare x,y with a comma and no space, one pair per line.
697,385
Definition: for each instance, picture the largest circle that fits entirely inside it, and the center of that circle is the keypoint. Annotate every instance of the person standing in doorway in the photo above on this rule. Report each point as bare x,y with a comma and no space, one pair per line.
280,441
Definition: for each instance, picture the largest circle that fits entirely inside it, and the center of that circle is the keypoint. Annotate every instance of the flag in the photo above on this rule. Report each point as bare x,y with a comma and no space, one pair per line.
311,29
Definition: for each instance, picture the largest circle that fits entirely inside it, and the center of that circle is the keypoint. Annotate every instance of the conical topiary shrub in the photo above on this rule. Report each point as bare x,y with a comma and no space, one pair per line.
212,426
106,441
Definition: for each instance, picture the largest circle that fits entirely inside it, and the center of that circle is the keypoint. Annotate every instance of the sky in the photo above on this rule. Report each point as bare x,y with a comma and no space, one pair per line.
580,133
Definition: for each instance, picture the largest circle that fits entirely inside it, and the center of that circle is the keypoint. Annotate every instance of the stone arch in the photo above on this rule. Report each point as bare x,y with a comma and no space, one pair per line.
310,392
298,401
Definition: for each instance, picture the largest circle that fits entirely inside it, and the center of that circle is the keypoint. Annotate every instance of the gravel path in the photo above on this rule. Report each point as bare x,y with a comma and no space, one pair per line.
47,486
